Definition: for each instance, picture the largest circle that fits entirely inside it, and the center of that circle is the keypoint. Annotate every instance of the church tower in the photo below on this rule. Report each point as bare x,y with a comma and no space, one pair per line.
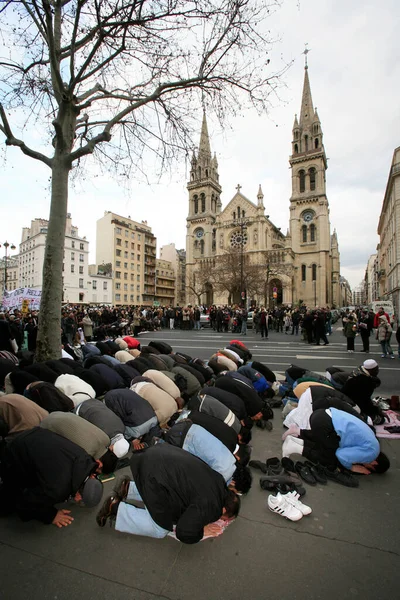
204,204
309,209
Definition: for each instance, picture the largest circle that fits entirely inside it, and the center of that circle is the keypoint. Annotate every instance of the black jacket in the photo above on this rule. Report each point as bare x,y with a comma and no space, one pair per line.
42,469
179,489
227,435
132,409
237,385
229,399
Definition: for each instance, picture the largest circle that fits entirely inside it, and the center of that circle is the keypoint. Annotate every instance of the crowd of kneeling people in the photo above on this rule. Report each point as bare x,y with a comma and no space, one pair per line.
183,425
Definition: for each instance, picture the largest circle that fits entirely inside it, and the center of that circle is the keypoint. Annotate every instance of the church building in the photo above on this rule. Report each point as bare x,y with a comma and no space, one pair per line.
271,268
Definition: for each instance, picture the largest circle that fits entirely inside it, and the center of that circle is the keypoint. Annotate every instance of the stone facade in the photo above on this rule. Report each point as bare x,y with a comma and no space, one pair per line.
302,265
388,270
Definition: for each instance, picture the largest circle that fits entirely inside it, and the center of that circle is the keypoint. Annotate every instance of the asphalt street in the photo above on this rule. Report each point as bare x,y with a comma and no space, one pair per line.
347,548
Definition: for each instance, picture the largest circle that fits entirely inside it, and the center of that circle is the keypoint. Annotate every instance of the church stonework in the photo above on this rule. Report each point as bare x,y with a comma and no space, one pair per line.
302,265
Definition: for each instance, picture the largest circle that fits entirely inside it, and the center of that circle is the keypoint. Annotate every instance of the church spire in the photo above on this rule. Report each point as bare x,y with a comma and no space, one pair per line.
204,146
307,109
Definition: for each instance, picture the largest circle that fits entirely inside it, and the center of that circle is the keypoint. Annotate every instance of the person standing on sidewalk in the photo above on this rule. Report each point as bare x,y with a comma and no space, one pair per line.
383,335
350,329
365,327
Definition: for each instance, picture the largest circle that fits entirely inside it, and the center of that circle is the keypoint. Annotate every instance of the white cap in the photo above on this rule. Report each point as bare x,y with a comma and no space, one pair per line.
120,446
370,364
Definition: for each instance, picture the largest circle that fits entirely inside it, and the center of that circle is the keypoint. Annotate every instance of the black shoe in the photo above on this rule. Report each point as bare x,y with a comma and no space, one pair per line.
121,488
107,511
305,473
257,464
317,472
342,477
274,466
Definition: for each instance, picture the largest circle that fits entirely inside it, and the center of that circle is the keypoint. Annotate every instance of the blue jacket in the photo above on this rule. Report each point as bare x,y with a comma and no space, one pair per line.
358,443
201,443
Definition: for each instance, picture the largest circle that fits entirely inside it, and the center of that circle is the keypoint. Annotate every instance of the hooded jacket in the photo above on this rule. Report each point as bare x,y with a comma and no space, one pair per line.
230,400
179,489
110,376
162,403
75,388
237,384
210,406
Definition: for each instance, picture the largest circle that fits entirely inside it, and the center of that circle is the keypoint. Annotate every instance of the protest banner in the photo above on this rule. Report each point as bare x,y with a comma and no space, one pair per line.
15,299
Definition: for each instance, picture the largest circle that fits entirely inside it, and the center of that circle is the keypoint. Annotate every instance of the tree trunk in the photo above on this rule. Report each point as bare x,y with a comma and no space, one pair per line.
49,333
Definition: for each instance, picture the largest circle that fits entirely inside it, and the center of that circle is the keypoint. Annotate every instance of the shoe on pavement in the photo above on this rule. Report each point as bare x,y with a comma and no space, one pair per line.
293,499
292,445
258,464
122,487
342,477
281,506
108,511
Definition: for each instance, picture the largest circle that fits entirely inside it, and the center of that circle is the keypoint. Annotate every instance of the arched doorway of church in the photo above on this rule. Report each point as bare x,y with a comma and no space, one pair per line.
209,294
274,293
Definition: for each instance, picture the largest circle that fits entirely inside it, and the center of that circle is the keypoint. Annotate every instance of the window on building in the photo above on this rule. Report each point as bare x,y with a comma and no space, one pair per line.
105,285
81,258
118,230
132,266
126,233
81,283
303,272
63,267
126,244
117,297
132,287
125,275
117,263
312,232
138,258
72,268
138,247
196,204
117,286
316,143
117,274
119,242
296,149
132,297
138,298
302,178
81,270
304,233
137,277
125,265
81,246
118,252
132,236
125,254
139,237
72,244
72,255
138,288
132,277
306,142
94,284
125,287
314,272
203,203
312,174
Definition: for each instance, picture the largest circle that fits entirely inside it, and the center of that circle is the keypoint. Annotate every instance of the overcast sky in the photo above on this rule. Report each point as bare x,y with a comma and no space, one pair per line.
354,70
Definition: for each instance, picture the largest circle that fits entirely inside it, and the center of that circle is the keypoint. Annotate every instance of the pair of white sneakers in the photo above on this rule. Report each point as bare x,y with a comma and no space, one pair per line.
288,506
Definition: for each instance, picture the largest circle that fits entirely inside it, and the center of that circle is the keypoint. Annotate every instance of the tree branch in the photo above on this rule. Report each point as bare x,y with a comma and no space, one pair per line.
13,141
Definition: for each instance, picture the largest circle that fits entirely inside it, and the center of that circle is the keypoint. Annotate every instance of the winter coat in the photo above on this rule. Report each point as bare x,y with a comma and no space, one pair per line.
83,433
132,409
225,434
20,413
242,388
230,400
43,469
162,403
75,388
384,330
179,489
48,397
209,405
87,326
110,376
97,413
350,329
164,382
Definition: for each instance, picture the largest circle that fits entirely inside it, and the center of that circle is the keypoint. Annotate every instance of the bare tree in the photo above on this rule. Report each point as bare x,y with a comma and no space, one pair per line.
116,78
202,279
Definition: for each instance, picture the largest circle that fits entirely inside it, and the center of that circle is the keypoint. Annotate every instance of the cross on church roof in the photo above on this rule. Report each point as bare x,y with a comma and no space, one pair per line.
238,187
306,51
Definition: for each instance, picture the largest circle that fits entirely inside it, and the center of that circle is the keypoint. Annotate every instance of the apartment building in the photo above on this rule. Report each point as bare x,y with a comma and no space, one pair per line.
130,249
75,266
178,260
389,234
9,278
100,286
165,283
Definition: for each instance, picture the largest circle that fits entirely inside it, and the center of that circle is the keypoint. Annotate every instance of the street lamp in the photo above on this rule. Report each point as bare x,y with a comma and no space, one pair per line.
6,246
